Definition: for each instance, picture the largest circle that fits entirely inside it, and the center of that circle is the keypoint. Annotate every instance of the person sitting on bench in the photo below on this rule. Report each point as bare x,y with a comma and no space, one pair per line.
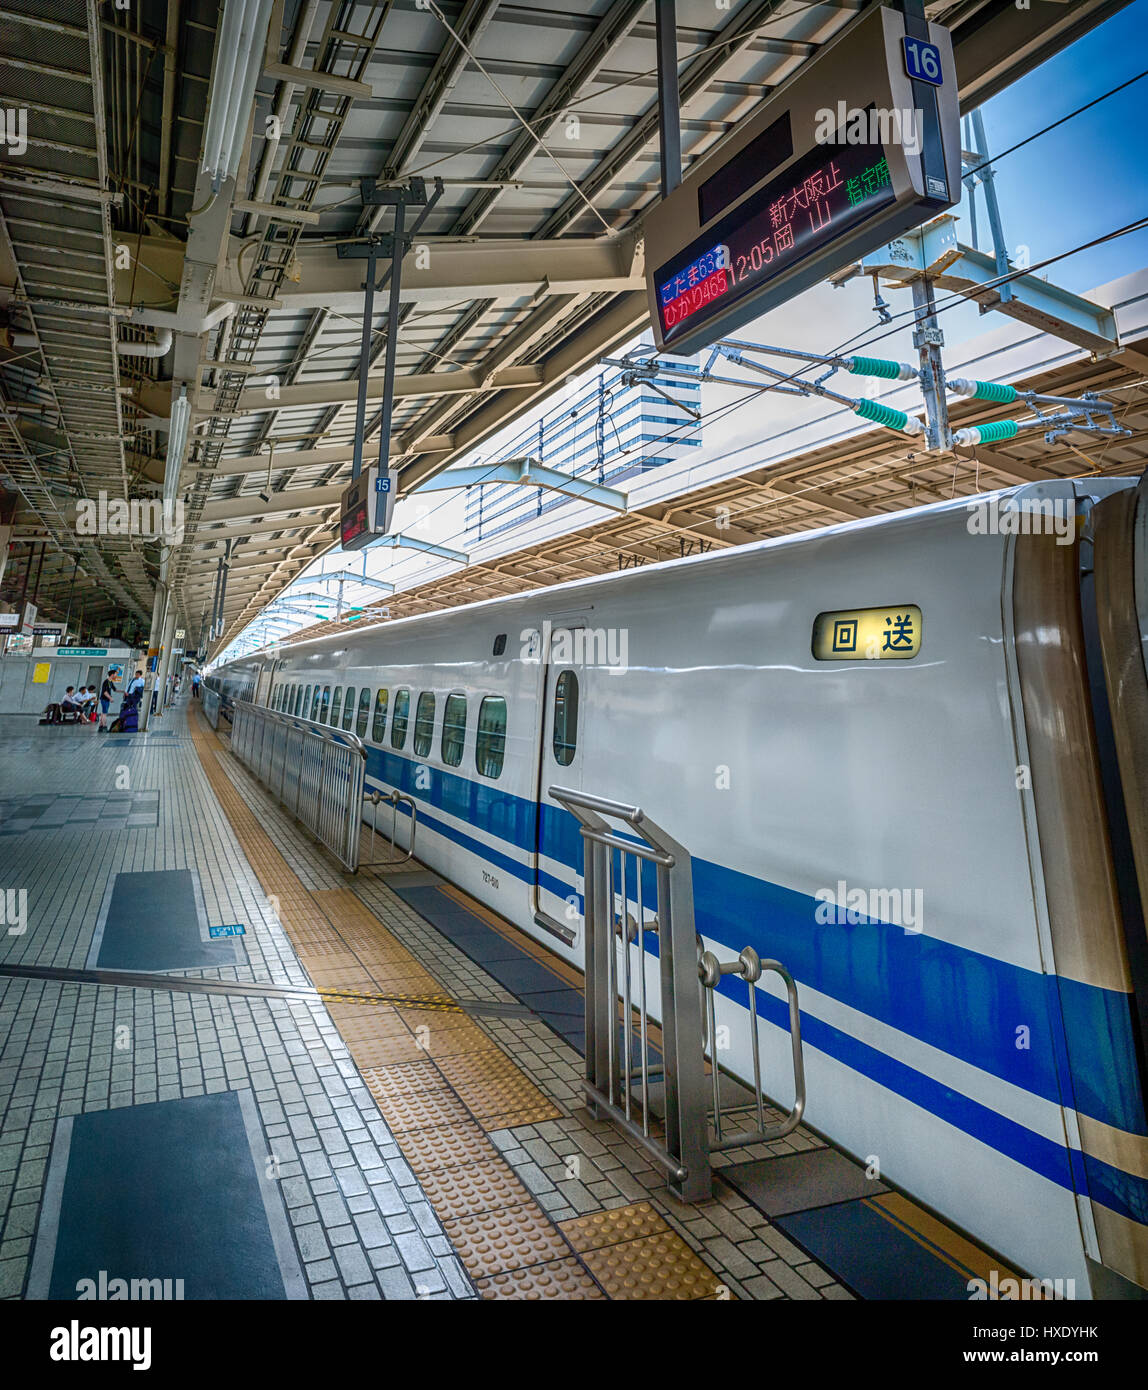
70,704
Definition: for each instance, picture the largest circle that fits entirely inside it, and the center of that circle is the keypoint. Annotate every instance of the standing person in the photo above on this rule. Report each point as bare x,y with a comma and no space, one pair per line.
107,691
195,680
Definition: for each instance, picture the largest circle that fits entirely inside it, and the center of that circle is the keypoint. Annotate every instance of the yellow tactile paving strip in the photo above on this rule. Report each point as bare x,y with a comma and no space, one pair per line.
441,1084
634,1254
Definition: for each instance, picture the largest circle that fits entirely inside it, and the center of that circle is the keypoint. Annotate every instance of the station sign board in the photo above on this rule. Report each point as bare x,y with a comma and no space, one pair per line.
368,505
860,145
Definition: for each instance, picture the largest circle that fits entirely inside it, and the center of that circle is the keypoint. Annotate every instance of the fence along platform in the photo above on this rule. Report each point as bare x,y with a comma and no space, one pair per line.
317,772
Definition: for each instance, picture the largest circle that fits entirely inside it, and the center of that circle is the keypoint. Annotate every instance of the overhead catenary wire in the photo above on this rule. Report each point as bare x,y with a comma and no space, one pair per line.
754,391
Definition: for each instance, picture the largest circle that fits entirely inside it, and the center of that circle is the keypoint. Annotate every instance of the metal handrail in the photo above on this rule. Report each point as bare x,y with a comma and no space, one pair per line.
315,770
751,967
609,1082
375,797
688,975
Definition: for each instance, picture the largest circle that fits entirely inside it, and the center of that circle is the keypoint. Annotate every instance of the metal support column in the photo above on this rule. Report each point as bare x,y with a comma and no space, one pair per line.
394,245
984,172
669,107
928,339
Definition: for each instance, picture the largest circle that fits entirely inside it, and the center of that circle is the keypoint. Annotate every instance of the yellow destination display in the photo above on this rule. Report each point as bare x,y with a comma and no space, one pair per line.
868,634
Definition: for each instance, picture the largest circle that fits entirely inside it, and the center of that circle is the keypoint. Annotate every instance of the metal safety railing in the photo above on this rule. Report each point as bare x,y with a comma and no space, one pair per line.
751,967
394,800
315,771
635,884
212,701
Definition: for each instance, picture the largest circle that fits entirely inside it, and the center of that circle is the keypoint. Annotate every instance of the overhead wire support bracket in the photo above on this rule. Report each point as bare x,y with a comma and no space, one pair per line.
394,246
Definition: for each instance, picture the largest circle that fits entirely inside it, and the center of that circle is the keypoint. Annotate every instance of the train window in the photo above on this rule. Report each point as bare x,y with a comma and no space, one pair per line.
424,724
298,698
379,722
363,712
565,739
314,715
336,701
324,704
401,715
500,644
306,710
453,729
490,746
349,707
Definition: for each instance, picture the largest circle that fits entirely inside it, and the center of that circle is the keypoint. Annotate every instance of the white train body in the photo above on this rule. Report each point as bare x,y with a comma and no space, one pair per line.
979,1049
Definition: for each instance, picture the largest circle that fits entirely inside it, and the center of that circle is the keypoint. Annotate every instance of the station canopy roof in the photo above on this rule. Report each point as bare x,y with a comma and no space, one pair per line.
128,283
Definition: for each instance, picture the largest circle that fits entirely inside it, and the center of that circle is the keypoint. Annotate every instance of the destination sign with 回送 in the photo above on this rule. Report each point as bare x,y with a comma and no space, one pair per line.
868,634
826,191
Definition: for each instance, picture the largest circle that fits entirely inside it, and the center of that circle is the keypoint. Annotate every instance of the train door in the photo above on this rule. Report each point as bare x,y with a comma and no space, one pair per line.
263,682
558,847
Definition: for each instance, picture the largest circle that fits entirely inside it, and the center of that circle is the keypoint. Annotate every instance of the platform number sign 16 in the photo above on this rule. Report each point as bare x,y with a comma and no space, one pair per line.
923,61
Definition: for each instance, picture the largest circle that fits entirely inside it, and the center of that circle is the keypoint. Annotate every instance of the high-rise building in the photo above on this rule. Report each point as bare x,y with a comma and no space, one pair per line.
605,433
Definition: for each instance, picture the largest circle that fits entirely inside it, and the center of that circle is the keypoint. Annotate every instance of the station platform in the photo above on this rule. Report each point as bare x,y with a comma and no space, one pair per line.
229,1070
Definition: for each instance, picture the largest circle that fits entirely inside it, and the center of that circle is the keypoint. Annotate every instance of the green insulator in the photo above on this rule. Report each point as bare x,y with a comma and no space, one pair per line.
999,429
875,366
882,414
995,391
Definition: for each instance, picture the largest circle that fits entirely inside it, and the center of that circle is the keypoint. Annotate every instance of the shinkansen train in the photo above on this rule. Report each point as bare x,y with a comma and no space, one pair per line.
909,759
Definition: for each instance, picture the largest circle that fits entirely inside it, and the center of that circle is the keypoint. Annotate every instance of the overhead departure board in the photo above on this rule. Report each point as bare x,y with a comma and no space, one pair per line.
862,143
821,195
368,506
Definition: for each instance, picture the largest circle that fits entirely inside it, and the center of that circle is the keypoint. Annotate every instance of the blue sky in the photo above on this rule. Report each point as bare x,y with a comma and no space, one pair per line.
1089,175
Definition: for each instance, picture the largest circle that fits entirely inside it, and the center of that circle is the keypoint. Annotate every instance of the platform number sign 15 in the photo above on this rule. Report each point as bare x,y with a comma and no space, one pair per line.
923,61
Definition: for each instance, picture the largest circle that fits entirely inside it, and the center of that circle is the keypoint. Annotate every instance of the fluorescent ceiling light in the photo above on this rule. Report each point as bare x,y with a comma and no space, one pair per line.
235,70
176,443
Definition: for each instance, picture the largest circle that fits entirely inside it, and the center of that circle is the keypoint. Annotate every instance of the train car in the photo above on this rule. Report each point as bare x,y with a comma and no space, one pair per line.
909,758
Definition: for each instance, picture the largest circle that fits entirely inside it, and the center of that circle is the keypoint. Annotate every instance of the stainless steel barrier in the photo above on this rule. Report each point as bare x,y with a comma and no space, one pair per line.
394,800
211,704
751,967
639,883
315,771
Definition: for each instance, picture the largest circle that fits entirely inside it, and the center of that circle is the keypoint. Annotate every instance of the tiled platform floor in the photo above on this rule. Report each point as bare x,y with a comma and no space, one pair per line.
380,1207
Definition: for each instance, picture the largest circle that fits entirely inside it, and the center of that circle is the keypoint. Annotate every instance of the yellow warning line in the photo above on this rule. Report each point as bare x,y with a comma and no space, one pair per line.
409,1001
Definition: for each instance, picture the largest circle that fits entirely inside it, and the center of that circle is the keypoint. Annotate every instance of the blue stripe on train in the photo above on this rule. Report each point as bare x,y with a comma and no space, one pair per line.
878,969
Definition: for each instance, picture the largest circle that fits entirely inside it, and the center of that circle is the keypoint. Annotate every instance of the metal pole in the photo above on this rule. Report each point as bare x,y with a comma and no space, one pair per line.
165,659
39,571
985,173
364,366
71,592
927,339
669,109
393,309
155,642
